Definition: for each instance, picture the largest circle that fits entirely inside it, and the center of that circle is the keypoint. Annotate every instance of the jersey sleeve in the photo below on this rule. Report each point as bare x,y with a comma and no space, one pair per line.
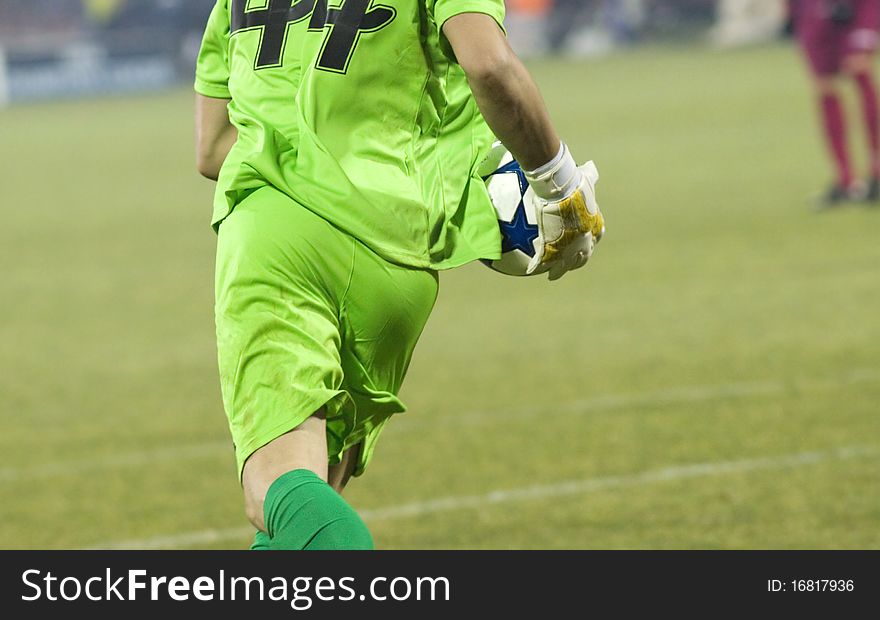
212,68
444,9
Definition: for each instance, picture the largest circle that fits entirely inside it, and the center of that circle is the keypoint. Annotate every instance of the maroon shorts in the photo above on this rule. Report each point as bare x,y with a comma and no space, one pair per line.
831,30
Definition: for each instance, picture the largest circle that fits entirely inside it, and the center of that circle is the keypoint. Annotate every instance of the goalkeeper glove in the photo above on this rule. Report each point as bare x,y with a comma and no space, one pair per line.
569,221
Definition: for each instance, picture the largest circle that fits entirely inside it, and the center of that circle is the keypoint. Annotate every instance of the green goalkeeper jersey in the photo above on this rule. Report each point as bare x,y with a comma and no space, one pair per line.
358,111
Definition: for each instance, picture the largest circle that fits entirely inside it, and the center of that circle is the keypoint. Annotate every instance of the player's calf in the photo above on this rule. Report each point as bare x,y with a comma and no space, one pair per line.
303,512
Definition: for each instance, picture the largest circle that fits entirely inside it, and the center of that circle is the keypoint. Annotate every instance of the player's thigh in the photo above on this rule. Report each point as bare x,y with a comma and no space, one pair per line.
823,45
281,272
826,85
385,311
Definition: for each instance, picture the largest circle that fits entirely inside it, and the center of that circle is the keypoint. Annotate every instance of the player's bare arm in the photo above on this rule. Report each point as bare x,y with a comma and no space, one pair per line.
215,135
568,216
505,92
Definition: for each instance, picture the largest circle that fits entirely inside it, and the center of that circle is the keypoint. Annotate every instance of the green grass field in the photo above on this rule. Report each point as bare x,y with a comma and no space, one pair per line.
712,380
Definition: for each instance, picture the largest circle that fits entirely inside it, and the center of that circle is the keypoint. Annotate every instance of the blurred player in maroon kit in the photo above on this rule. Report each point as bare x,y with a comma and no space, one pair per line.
839,37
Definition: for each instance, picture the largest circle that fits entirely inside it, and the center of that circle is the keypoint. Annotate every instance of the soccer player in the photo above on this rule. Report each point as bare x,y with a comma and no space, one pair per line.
345,141
839,38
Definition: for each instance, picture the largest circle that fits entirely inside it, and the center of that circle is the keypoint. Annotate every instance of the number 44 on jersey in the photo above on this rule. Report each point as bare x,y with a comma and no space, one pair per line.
344,25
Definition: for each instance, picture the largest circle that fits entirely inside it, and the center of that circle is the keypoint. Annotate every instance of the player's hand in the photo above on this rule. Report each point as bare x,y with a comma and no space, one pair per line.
570,227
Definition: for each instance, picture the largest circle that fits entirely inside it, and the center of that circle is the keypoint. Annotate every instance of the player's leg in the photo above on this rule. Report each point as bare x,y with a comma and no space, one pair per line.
861,43
339,475
835,129
281,272
860,67
385,311
287,495
305,447
822,44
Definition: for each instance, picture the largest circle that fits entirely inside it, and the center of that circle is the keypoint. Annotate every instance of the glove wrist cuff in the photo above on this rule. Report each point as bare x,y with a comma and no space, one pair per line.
558,179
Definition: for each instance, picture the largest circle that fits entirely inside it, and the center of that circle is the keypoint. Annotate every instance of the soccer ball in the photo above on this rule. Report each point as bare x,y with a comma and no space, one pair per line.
514,204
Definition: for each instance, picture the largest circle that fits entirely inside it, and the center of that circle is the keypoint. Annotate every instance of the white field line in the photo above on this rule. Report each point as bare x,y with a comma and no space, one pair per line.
408,424
531,493
656,398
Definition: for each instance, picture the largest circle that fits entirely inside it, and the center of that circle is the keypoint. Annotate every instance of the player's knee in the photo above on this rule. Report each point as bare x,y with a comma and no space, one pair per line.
856,64
825,86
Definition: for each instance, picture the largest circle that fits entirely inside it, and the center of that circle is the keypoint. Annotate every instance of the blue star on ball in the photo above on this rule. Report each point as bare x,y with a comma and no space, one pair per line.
518,234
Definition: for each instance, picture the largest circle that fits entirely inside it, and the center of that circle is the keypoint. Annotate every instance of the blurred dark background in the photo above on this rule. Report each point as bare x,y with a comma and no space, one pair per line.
56,48
61,48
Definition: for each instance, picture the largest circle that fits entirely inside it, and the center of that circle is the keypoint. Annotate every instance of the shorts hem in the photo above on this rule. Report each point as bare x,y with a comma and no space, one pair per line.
368,444
335,403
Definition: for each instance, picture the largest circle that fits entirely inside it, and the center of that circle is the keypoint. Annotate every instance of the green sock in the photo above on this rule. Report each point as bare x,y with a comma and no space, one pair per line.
304,512
262,542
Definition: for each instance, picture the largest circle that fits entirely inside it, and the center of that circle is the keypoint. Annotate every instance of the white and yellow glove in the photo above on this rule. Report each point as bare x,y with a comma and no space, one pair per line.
569,221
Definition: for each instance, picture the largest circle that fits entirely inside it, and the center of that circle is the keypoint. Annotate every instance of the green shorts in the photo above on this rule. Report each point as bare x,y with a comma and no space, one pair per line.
309,317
